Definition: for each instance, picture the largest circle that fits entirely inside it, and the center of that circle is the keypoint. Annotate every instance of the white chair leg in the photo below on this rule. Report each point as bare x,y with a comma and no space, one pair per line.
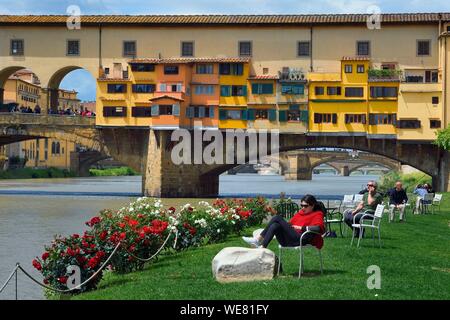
360,236
353,236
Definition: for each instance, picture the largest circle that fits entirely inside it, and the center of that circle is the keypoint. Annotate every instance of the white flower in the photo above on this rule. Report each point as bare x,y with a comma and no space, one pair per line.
201,222
218,230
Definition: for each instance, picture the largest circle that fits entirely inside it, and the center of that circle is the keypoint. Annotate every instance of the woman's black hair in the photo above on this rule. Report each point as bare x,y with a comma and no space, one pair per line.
309,199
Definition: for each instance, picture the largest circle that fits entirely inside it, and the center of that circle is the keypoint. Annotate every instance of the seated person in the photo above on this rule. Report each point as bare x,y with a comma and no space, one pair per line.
288,234
421,191
367,206
397,200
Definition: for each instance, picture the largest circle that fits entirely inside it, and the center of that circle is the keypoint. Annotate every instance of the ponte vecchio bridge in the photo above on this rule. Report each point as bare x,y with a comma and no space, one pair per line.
263,46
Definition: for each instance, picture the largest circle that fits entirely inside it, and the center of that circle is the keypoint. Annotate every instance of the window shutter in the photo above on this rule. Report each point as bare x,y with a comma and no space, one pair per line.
304,116
334,118
267,88
283,115
225,91
251,114
244,91
155,110
163,87
222,114
189,112
178,87
176,109
201,112
255,88
244,115
317,118
211,112
273,115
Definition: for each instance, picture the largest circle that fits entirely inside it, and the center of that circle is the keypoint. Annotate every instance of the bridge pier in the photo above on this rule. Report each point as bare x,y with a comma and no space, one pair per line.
345,171
440,180
299,167
54,101
163,178
81,162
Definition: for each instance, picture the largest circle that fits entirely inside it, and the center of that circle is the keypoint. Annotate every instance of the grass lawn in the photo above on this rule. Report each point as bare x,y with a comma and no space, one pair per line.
414,263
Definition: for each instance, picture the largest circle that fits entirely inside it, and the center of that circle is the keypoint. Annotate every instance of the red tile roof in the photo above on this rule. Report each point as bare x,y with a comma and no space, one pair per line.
191,60
356,58
264,77
166,96
311,19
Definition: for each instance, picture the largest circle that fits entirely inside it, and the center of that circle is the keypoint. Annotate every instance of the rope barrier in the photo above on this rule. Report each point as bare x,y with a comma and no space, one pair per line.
9,278
19,267
156,253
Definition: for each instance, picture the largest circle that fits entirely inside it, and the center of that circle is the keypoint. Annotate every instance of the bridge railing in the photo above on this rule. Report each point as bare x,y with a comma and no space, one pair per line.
46,119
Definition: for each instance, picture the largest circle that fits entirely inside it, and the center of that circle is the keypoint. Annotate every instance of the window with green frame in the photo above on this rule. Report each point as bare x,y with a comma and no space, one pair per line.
292,89
262,88
233,114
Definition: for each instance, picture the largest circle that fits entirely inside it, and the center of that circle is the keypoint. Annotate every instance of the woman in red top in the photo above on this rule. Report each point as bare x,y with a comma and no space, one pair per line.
288,233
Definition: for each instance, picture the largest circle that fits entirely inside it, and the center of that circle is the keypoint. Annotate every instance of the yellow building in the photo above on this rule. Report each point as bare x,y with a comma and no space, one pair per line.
233,94
357,101
24,89
45,153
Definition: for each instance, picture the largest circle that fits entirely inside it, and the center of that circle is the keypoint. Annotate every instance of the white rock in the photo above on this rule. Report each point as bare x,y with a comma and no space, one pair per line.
235,264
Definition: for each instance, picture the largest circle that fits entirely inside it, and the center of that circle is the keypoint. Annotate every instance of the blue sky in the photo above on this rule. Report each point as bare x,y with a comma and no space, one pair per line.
81,81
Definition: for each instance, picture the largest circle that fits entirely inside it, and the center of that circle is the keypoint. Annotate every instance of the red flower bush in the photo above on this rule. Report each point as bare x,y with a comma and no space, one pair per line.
70,251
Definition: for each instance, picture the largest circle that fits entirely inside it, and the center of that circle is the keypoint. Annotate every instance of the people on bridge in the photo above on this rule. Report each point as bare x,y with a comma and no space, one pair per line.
397,201
368,206
420,191
309,218
37,109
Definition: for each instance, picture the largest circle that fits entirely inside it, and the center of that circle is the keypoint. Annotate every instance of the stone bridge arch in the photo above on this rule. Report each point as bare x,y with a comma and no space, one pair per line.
202,180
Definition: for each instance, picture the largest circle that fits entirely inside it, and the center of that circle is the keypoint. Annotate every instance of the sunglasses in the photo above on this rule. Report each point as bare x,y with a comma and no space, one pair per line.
370,185
304,205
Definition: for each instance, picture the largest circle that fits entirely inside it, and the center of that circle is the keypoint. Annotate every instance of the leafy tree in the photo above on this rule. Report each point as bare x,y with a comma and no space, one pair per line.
443,138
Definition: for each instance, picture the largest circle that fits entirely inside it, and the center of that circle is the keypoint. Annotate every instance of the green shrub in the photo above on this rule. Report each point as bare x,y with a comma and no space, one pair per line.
121,171
410,180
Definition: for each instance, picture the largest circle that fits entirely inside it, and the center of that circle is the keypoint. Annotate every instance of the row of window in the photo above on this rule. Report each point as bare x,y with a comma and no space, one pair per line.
257,88
28,89
375,92
350,92
245,48
375,119
294,113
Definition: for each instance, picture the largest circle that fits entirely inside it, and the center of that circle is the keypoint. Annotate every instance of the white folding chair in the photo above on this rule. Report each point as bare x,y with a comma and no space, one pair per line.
375,224
301,248
427,202
437,201
347,203
357,199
